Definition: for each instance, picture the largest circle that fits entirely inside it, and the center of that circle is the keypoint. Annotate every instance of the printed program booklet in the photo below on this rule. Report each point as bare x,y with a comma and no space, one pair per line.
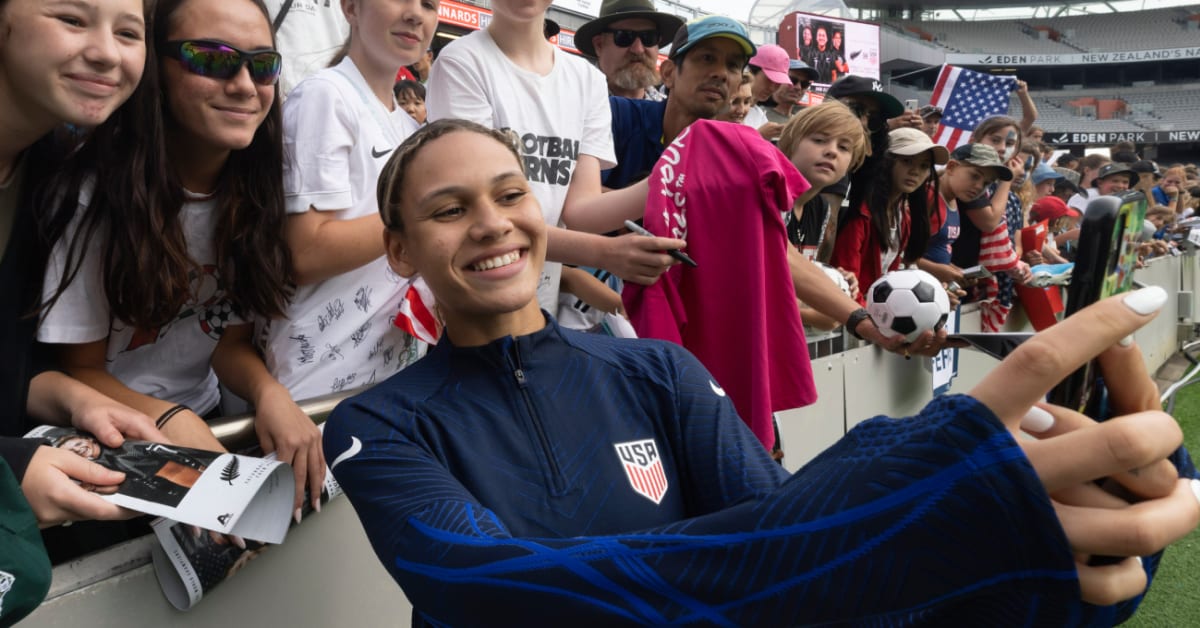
190,563
228,493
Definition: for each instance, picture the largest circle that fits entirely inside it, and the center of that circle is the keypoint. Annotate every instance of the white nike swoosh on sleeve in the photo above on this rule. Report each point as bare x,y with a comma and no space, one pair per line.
355,447
715,388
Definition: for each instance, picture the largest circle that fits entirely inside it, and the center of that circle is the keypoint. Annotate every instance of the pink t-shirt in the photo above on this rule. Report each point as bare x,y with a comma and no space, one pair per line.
722,188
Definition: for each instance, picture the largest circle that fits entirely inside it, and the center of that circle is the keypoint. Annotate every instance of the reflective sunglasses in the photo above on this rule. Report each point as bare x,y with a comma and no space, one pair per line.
624,37
222,61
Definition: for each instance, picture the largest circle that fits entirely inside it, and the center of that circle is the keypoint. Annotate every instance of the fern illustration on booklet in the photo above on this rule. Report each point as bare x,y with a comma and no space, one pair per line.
228,493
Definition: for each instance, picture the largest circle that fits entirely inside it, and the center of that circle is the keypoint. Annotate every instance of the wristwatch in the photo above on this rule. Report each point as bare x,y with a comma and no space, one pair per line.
856,317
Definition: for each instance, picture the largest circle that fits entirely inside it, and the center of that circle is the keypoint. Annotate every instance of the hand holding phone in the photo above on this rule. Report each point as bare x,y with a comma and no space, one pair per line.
1104,264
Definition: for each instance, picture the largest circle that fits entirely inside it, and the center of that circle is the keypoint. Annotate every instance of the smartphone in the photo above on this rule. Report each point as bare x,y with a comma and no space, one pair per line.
910,104
976,272
1104,264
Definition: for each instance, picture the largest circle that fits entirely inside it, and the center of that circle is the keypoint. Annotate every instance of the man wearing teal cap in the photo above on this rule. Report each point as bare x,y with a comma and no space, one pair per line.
705,65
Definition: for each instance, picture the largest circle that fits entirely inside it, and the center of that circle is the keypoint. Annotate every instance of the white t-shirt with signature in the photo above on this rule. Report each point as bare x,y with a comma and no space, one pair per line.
338,334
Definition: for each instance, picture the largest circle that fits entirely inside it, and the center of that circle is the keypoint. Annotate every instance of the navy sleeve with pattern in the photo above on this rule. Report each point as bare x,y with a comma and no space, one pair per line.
934,518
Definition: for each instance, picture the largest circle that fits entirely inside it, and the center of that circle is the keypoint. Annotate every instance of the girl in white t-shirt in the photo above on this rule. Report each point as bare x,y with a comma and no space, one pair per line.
340,127
179,236
67,63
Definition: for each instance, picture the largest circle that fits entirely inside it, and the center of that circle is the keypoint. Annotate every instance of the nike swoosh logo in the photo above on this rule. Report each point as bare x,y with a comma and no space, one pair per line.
380,153
355,447
716,389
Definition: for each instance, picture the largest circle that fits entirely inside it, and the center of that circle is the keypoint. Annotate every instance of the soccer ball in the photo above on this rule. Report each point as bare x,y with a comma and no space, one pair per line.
835,276
907,302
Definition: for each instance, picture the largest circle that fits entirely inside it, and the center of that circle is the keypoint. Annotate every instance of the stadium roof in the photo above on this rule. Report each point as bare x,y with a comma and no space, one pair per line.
769,12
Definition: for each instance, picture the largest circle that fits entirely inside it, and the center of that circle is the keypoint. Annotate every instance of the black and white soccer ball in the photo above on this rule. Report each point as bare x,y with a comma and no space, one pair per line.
835,276
908,302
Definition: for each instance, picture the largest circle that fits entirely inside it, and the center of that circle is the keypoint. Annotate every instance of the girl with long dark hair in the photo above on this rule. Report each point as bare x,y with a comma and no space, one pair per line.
177,238
60,64
890,228
90,57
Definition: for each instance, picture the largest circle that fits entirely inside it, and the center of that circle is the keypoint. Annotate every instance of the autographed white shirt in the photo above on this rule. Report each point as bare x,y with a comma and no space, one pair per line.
338,334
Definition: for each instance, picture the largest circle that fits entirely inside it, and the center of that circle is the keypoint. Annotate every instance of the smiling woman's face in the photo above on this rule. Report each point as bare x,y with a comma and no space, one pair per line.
72,62
476,235
211,114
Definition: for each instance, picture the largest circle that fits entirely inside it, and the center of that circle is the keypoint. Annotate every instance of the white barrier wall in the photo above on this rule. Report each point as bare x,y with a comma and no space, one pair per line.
327,575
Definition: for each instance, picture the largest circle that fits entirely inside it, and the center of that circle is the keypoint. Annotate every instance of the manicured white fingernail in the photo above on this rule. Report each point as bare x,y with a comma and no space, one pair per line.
317,506
1147,300
1037,420
296,515
1126,341
1196,489
1139,559
237,540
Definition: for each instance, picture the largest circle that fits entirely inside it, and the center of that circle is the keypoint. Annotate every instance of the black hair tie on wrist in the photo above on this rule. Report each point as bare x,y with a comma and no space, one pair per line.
169,414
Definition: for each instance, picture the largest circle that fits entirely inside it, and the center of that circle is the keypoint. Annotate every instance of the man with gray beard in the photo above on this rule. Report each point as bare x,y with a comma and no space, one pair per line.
624,41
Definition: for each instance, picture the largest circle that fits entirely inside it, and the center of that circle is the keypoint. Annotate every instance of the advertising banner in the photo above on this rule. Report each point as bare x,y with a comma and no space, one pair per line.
833,47
586,7
1108,138
1083,58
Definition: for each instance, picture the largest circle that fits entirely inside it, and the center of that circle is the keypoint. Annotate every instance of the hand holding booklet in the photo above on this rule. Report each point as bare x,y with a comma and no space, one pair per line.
190,564
227,493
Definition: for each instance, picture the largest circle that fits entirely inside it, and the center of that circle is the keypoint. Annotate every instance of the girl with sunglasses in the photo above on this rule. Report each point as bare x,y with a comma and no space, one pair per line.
60,63
340,125
178,236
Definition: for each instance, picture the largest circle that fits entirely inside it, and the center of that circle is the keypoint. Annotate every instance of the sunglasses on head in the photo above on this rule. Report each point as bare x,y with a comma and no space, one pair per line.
222,61
624,37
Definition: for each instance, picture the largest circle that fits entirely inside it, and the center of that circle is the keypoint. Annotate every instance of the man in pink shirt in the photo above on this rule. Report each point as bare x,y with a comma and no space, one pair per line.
750,335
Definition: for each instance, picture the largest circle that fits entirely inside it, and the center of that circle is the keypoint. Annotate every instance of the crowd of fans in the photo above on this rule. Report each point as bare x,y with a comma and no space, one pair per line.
203,205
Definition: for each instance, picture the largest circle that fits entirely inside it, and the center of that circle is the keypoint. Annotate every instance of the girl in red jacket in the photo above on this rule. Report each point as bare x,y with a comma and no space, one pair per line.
891,228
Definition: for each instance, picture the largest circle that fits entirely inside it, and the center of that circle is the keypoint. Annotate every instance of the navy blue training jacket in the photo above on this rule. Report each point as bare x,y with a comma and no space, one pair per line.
523,483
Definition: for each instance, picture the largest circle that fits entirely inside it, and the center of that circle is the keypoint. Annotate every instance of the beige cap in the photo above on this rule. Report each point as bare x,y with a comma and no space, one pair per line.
910,141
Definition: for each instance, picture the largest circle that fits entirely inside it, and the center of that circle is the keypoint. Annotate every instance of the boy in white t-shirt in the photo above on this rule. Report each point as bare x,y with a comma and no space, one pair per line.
340,127
509,77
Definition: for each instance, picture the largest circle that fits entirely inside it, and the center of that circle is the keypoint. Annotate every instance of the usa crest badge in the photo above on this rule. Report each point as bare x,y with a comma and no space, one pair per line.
644,467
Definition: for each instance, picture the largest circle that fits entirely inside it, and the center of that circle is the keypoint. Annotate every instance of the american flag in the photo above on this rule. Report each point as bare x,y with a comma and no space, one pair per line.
966,98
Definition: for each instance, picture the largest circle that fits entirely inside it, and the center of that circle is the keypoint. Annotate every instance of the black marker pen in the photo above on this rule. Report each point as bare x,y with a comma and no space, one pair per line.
679,255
